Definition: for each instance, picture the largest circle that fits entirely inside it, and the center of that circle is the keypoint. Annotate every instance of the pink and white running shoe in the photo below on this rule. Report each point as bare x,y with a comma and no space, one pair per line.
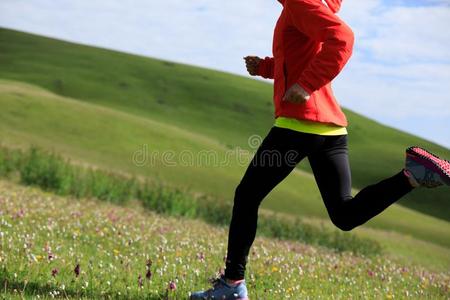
426,168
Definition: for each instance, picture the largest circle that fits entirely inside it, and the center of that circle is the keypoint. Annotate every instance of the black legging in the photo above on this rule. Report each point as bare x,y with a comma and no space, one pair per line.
276,157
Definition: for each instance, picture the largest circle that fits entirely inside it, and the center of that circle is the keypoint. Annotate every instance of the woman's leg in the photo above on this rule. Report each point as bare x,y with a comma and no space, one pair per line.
278,154
331,169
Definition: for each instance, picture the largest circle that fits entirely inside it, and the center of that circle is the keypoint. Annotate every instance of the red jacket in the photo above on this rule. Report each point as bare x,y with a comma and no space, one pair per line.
311,45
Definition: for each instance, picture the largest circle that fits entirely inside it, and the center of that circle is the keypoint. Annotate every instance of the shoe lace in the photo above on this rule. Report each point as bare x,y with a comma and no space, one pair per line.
216,282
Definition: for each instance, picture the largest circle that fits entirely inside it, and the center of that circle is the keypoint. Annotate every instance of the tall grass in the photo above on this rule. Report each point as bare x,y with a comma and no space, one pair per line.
53,173
9,161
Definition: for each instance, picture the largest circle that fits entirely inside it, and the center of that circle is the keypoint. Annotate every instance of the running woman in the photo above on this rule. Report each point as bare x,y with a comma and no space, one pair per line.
311,46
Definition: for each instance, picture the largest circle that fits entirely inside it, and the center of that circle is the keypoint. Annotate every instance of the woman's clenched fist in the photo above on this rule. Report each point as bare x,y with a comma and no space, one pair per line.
252,64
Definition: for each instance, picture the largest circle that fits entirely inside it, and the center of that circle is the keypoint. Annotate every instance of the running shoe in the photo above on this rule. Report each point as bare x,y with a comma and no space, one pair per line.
222,290
426,168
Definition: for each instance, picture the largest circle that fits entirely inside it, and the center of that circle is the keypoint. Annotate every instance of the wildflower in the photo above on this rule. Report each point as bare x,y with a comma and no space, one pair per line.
20,213
370,273
148,275
172,286
54,272
77,270
50,256
149,263
116,252
201,256
140,281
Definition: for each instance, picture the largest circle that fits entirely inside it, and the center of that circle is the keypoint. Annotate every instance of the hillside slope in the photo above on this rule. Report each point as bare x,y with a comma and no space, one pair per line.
104,137
225,108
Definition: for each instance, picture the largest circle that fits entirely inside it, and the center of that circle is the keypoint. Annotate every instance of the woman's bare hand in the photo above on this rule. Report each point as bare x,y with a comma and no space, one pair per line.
252,64
296,94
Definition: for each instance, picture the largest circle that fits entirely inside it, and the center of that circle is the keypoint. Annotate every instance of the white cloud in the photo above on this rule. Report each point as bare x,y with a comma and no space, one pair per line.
202,32
405,34
400,69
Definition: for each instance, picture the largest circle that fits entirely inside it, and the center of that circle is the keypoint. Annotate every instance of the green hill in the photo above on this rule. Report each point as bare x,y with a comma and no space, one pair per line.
99,107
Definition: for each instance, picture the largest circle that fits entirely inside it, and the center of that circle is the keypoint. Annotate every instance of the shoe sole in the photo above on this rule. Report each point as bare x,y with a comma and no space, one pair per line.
431,161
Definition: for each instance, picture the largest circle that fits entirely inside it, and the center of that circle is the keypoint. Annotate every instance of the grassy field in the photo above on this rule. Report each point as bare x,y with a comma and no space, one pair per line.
53,173
53,247
223,110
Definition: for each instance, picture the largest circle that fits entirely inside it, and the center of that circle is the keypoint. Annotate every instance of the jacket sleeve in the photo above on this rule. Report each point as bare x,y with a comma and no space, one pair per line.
265,68
318,22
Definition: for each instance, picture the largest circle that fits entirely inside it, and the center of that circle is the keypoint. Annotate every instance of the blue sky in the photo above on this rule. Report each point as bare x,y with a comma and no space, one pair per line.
399,73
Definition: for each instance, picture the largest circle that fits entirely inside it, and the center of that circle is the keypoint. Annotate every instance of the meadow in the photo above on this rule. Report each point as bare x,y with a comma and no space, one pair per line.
54,247
101,137
52,173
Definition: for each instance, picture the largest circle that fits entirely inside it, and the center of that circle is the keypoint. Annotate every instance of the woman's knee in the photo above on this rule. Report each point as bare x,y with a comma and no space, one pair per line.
342,219
246,197
342,224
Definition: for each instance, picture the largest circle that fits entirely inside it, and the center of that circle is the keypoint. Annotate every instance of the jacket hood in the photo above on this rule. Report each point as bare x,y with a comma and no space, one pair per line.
334,5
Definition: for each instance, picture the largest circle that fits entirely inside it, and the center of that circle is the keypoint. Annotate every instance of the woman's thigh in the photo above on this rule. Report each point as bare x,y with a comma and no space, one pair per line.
331,170
279,153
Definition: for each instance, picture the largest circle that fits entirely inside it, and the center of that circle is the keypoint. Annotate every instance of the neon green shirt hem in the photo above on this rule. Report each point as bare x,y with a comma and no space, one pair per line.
310,126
